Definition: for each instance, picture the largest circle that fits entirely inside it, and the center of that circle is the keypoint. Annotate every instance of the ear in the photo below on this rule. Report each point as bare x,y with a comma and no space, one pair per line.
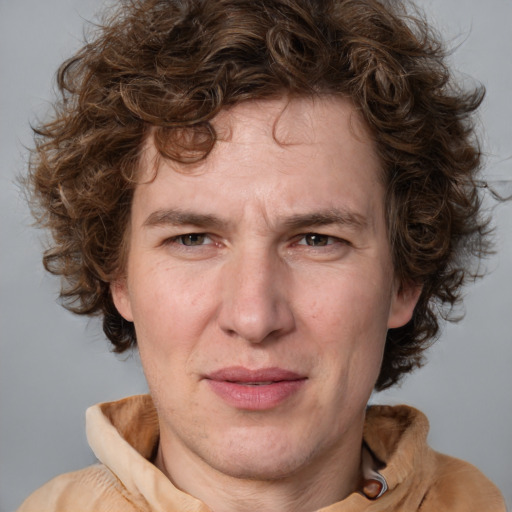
121,298
405,298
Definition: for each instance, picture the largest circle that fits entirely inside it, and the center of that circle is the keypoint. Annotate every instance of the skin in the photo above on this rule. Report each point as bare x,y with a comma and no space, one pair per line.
253,287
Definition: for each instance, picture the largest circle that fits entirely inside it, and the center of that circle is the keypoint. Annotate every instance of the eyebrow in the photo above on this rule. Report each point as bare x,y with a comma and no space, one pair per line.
327,217
178,217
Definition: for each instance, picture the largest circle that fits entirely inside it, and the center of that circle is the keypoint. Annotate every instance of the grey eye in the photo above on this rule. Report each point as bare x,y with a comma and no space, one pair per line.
192,239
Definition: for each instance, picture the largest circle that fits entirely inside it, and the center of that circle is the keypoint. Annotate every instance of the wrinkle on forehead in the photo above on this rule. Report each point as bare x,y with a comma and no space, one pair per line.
276,115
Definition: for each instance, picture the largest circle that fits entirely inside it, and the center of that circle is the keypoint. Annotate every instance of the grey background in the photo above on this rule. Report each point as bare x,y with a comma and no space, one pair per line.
53,365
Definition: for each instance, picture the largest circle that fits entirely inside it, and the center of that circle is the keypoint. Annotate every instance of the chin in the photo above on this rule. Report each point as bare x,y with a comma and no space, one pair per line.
268,458
264,469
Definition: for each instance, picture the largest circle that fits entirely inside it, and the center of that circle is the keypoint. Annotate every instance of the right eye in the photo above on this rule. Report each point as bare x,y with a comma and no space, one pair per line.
192,239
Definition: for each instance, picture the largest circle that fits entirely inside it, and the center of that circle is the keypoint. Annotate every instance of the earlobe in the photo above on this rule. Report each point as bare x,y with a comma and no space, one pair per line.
121,298
402,307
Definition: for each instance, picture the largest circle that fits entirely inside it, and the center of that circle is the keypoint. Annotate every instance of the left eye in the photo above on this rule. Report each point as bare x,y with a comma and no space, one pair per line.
316,240
192,239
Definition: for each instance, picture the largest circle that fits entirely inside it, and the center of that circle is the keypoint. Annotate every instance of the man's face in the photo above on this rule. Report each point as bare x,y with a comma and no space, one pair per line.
261,287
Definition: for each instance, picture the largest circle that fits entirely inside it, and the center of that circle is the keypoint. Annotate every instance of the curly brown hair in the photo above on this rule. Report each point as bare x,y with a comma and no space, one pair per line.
170,66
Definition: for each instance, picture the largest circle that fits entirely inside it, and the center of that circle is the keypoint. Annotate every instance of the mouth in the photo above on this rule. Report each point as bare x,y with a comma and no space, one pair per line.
255,390
266,383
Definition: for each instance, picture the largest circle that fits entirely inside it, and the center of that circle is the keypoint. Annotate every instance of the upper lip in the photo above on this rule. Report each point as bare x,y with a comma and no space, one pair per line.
246,375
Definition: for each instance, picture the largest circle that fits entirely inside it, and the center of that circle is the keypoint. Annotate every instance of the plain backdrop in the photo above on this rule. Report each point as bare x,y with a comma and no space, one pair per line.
53,365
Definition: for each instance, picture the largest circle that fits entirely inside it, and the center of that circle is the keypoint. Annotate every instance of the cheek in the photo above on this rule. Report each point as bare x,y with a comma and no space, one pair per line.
169,307
352,307
347,324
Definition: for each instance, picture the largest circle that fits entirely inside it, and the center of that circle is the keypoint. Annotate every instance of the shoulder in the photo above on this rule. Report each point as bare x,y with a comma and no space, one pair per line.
460,486
94,488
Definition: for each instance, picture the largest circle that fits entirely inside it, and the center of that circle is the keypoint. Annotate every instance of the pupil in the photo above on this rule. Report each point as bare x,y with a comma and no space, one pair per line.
317,240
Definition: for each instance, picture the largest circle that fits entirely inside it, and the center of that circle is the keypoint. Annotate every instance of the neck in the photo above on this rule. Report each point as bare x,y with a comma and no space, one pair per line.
323,481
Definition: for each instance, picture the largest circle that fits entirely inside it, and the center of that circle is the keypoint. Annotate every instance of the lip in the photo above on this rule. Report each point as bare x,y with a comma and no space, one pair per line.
255,390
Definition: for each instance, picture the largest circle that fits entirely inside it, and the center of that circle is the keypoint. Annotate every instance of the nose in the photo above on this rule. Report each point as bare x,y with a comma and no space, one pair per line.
255,305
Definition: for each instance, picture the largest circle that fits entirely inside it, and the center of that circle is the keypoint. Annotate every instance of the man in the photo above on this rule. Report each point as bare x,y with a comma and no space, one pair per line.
271,200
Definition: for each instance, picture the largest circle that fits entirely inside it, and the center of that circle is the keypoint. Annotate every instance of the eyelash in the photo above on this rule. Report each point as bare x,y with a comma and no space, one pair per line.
178,240
329,240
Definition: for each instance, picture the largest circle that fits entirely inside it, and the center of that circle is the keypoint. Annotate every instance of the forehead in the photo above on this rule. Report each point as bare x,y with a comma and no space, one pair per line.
291,121
287,155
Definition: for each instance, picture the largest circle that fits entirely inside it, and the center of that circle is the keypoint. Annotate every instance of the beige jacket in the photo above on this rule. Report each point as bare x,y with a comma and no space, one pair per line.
124,436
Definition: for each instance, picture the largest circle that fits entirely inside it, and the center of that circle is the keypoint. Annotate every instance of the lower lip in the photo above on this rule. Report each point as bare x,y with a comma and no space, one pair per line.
256,398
